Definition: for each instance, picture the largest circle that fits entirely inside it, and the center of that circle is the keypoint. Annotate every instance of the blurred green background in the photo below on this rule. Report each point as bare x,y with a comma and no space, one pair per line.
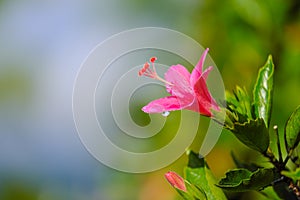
43,43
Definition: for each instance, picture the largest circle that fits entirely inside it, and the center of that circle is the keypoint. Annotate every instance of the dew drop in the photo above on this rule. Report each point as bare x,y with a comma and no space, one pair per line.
165,113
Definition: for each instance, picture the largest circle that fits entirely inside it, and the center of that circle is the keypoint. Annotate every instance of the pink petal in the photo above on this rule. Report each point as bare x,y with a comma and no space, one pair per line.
169,103
179,77
206,72
197,71
205,100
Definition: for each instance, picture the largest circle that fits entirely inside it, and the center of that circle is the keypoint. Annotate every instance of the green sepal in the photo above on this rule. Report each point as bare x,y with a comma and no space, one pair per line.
292,130
192,193
240,180
185,195
263,92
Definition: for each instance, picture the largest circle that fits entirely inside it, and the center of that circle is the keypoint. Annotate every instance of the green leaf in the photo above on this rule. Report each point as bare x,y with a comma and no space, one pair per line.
295,156
270,193
250,166
194,160
254,134
236,179
240,104
198,174
295,175
292,130
240,180
263,92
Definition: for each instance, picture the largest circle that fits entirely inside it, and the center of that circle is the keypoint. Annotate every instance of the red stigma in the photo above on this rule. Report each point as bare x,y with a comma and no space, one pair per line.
153,59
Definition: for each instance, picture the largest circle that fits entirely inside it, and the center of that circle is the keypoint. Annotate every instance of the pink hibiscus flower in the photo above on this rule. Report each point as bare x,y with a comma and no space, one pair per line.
188,91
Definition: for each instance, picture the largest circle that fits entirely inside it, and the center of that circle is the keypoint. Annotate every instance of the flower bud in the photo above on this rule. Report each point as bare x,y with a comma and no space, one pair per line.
176,181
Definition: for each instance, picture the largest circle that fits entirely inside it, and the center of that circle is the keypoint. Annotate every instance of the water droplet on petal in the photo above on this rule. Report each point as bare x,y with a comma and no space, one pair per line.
165,113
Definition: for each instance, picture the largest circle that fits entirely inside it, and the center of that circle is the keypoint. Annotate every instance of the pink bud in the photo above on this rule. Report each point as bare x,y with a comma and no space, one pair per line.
175,180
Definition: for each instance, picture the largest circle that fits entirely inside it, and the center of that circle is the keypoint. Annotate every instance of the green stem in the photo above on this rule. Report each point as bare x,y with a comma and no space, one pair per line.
278,143
287,157
273,160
